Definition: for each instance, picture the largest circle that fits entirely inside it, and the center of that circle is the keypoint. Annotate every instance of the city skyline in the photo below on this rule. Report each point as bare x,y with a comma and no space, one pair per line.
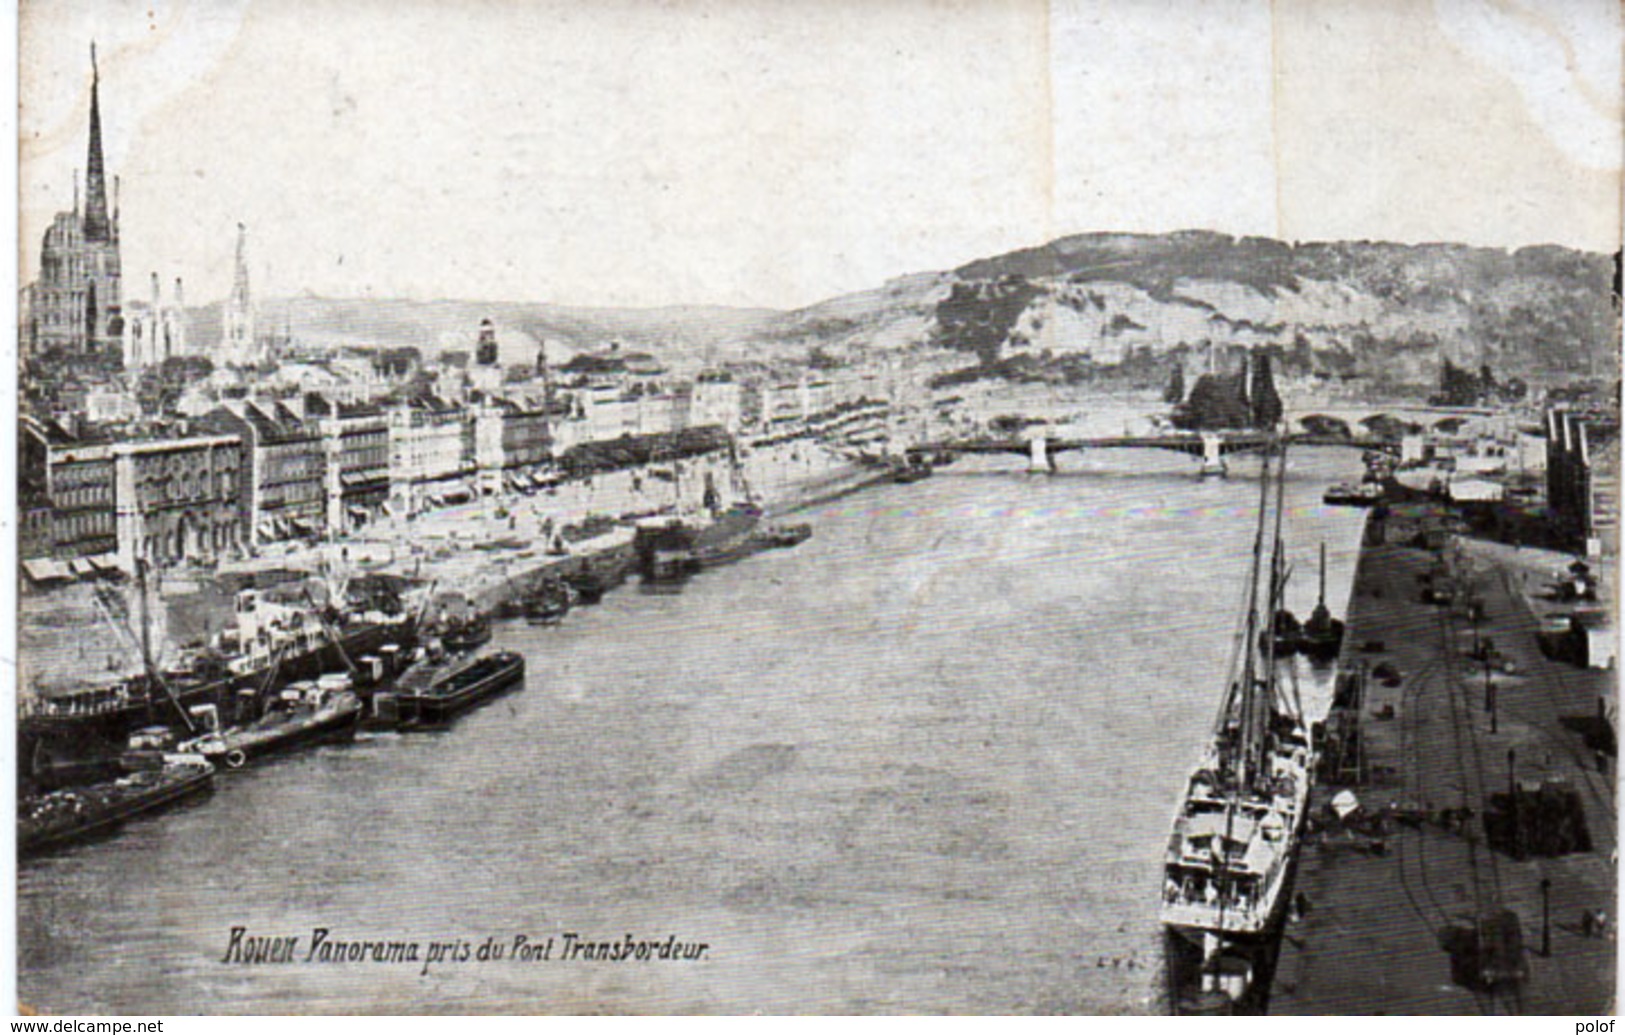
578,157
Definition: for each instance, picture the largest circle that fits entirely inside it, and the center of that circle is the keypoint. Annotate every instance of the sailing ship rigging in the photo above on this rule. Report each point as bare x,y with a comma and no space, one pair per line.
1228,868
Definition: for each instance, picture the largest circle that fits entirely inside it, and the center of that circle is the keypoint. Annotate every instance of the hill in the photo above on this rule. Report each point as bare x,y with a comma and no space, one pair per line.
1100,305
1391,313
680,334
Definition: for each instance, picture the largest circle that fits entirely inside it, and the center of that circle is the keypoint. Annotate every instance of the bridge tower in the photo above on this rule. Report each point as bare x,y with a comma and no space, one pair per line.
1039,460
1213,464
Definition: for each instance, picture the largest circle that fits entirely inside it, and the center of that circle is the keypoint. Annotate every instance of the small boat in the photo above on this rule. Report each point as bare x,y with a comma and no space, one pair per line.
780,536
1343,494
1322,635
549,603
466,634
912,470
302,713
433,692
155,777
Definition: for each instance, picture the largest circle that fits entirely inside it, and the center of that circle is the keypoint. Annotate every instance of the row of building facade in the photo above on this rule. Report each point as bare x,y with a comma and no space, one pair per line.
249,473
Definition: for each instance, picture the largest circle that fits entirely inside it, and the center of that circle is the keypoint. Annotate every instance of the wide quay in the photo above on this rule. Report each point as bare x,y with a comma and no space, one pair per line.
1473,867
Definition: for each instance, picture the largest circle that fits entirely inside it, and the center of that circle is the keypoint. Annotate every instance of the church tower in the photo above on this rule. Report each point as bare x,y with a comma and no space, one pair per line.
104,288
76,304
237,331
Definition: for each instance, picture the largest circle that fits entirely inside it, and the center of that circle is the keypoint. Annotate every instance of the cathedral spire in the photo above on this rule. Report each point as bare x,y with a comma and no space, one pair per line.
97,227
239,281
238,313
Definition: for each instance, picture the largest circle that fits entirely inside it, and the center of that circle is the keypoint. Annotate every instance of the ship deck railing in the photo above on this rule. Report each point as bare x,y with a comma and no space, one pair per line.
1227,913
83,703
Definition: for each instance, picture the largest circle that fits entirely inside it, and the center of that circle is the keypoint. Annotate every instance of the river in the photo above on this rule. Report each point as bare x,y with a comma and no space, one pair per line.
924,762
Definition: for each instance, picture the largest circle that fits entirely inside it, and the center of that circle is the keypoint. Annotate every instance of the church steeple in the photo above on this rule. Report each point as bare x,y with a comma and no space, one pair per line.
97,226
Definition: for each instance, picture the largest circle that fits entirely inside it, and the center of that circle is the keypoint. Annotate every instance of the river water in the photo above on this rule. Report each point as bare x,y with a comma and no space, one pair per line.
924,762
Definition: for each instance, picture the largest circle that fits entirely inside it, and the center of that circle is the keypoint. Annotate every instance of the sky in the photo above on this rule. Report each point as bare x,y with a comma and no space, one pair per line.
772,153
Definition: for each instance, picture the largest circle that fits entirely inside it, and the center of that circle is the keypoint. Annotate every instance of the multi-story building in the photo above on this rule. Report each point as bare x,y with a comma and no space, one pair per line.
782,403
34,524
717,400
355,449
75,304
431,454
513,442
283,487
73,475
179,497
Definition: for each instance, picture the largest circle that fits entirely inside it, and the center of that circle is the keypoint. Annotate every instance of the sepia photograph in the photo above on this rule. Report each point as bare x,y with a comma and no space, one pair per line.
719,507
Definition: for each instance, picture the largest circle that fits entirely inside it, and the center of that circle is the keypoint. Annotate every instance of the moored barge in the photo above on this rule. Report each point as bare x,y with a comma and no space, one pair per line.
434,692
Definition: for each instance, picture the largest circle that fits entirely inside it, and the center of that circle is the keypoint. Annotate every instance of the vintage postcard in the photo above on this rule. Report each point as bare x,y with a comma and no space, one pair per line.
730,506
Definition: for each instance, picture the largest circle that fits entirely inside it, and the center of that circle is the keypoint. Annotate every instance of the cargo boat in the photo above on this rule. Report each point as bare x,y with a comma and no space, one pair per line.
672,548
301,714
728,538
433,692
269,644
1229,864
154,779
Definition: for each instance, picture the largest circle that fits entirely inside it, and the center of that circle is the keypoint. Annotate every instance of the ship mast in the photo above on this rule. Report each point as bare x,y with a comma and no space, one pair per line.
1264,701
1322,574
1247,685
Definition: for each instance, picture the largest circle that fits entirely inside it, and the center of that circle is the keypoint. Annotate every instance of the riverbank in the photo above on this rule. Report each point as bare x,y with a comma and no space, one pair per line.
489,549
1434,744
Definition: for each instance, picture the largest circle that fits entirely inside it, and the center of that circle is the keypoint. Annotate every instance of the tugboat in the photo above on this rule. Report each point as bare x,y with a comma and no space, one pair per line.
782,536
1227,874
1322,637
434,691
154,778
303,713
